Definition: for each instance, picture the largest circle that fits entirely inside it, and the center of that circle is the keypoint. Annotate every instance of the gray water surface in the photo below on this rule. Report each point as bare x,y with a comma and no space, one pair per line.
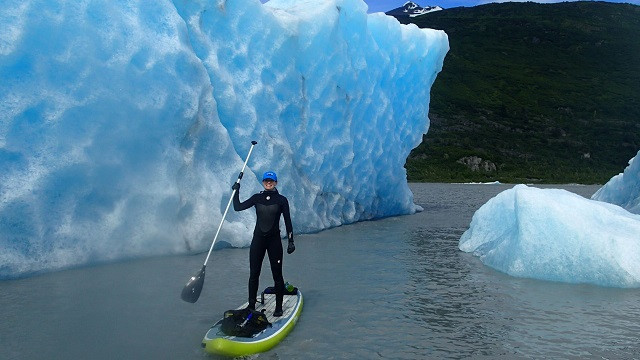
396,288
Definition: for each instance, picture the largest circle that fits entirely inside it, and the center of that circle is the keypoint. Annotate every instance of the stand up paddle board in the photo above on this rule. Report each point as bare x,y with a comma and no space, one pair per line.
217,342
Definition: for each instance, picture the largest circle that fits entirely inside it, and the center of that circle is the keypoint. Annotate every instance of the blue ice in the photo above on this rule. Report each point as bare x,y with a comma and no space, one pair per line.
624,188
556,235
124,123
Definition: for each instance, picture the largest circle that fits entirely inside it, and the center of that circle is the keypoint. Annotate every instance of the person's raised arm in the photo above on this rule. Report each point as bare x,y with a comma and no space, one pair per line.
237,205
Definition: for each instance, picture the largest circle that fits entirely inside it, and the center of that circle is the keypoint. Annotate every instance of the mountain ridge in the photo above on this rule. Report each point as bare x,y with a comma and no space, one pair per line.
412,9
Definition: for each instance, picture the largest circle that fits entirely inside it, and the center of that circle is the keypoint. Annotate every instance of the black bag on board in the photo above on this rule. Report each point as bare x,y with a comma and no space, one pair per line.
244,322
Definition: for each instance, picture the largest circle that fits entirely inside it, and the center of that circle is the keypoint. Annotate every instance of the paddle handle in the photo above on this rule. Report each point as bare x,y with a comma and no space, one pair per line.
253,143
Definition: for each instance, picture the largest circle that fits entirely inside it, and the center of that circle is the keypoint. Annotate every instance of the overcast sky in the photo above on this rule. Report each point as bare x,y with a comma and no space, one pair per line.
386,5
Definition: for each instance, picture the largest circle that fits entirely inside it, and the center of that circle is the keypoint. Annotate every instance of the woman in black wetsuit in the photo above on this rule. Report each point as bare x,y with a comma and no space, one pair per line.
266,235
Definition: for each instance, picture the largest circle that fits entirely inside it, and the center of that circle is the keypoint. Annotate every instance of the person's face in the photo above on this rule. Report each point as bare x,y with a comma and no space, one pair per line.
269,184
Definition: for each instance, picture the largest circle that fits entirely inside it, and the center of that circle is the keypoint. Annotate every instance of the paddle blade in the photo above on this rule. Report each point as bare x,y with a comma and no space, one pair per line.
192,289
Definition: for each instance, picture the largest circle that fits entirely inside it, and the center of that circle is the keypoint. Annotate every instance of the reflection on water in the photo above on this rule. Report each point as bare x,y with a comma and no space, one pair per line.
396,288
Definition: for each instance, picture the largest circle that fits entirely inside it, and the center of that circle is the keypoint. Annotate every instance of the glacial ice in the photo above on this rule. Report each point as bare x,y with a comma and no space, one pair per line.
624,188
553,234
123,123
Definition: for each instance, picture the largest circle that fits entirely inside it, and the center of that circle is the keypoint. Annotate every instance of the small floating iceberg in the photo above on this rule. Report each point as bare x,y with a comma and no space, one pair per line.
556,235
624,188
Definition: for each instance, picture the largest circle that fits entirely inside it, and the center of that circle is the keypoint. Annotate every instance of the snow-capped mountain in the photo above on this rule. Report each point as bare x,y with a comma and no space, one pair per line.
412,9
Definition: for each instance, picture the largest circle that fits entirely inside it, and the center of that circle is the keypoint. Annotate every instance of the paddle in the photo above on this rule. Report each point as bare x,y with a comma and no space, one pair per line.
192,289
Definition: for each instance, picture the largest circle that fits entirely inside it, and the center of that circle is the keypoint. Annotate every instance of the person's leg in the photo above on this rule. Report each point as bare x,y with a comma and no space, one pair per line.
275,259
256,255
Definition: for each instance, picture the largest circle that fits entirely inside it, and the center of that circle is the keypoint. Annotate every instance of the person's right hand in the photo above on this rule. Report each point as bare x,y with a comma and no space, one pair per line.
236,186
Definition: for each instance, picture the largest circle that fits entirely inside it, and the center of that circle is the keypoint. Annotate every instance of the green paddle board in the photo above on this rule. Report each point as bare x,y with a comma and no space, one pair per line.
217,342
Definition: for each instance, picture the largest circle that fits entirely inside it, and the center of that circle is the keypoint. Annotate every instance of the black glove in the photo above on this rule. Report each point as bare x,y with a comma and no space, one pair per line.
236,186
291,248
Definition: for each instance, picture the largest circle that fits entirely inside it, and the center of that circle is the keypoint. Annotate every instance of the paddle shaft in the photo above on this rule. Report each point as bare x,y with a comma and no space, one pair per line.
233,193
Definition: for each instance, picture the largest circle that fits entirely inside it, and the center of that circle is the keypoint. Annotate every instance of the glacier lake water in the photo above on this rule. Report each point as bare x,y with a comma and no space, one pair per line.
395,288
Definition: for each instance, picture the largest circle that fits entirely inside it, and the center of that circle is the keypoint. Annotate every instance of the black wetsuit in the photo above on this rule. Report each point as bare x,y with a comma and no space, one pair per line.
266,238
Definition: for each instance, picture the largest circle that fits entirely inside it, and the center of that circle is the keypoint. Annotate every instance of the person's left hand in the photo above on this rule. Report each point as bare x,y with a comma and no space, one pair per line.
291,248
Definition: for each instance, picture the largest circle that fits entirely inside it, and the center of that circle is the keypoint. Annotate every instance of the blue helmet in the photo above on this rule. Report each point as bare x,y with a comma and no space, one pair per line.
270,175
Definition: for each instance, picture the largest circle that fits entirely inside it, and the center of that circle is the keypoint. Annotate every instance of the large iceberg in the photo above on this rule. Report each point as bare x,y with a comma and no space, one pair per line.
124,123
556,235
624,188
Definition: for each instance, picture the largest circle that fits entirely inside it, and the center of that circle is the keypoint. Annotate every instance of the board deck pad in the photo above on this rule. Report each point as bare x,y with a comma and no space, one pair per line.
217,342
288,305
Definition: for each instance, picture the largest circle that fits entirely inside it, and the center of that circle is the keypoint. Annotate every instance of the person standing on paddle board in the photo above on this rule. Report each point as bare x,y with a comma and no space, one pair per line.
266,235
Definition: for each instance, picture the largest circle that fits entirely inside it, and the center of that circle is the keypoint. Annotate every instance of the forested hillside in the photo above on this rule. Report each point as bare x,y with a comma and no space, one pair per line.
532,92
